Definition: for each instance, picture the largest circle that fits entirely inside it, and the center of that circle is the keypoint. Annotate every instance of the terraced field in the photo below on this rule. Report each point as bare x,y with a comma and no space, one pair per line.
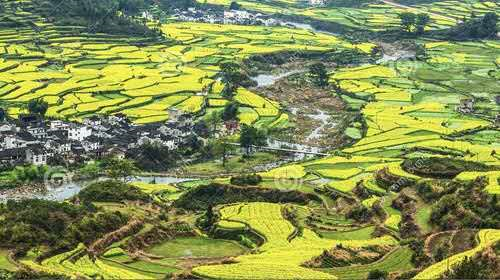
397,260
412,106
375,17
486,237
81,74
278,258
83,267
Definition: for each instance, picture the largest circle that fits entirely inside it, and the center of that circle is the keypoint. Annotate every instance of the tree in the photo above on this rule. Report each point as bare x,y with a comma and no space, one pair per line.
489,25
421,22
119,168
38,107
3,115
234,6
231,77
476,28
377,275
221,148
408,21
376,51
131,7
90,170
251,136
169,5
470,268
230,111
319,74
213,120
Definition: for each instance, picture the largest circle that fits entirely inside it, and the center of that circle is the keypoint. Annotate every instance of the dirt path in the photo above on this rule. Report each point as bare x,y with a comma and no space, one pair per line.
391,3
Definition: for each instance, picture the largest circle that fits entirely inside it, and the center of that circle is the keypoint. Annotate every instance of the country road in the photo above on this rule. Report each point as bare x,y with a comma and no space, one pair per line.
391,3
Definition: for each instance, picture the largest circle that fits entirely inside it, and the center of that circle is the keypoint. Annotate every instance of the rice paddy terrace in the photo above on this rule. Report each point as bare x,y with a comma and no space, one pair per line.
81,74
375,17
408,108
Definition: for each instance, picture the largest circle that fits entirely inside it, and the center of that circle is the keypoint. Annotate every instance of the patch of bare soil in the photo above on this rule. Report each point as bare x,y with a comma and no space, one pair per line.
316,112
340,257
463,240
450,242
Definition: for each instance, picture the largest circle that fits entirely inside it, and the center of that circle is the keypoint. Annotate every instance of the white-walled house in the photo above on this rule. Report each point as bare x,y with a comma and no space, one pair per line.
78,133
37,155
58,125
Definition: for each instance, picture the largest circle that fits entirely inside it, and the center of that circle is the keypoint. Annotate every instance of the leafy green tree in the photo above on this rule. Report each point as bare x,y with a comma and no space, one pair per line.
421,22
90,170
98,10
408,21
489,25
131,7
234,6
470,268
169,5
230,111
213,120
251,136
120,168
377,275
38,107
476,28
231,77
3,114
220,148
319,74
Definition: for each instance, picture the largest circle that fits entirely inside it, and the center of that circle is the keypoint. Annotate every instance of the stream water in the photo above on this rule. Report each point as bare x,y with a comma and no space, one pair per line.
69,189
400,54
321,117
309,27
264,80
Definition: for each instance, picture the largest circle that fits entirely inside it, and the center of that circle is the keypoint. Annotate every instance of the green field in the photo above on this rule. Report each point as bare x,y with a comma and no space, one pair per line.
196,247
375,17
106,74
357,234
397,260
4,261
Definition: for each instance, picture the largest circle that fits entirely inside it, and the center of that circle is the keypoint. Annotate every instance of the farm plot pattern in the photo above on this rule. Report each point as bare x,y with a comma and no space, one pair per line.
486,238
281,256
81,74
375,17
412,106
83,267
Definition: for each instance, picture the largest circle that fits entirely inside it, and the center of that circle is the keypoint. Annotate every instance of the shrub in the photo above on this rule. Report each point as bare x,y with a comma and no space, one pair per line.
246,180
377,275
112,191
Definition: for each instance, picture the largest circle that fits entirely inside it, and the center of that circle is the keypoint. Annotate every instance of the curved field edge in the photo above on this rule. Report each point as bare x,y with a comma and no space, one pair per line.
397,260
486,238
277,258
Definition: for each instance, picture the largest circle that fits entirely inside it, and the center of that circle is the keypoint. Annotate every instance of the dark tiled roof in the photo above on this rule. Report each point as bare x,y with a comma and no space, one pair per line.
61,134
26,136
11,153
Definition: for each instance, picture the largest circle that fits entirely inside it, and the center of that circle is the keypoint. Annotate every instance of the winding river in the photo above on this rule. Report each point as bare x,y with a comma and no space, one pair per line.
69,189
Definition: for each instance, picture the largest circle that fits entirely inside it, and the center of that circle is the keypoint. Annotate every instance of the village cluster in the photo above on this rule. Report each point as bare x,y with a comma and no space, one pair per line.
233,16
33,140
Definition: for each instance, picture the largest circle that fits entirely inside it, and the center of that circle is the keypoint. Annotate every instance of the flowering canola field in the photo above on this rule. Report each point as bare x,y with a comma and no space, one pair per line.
81,74
277,258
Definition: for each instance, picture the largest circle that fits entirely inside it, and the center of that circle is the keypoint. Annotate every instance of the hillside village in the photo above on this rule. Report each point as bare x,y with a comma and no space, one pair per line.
34,140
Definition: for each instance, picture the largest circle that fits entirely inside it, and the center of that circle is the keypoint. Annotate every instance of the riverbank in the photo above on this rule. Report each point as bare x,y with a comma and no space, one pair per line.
68,189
